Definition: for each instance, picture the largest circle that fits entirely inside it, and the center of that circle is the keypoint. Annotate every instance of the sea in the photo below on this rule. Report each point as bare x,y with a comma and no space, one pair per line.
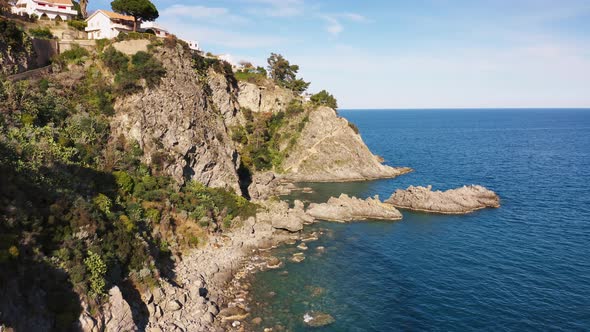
522,267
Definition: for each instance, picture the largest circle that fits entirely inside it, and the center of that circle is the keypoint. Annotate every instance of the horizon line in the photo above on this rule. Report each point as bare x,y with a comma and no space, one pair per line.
461,108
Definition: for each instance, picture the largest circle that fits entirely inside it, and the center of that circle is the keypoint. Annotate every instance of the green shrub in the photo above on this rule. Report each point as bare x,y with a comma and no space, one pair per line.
124,181
76,54
294,107
102,43
323,98
114,60
78,24
41,33
103,203
97,270
353,127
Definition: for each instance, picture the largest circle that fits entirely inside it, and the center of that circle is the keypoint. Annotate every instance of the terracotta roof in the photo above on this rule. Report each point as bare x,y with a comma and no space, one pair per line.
116,15
58,2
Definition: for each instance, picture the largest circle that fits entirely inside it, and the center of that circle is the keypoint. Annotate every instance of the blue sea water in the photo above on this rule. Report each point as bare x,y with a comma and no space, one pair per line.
522,267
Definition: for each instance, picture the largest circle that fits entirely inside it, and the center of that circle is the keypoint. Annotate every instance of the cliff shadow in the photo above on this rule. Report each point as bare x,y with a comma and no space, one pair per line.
245,178
139,310
37,297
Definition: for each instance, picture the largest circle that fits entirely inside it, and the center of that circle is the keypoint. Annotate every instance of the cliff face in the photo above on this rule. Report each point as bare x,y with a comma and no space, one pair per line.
16,49
264,98
179,127
328,149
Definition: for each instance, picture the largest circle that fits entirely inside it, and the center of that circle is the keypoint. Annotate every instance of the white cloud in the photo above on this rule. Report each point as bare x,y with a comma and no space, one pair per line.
333,21
211,14
208,36
333,26
277,8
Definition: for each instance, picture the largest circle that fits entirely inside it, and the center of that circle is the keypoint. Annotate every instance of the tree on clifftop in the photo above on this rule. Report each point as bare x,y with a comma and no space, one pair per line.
83,8
324,98
141,10
285,74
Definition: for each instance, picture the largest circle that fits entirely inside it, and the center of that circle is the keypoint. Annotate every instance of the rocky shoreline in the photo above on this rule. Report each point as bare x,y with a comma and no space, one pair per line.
210,289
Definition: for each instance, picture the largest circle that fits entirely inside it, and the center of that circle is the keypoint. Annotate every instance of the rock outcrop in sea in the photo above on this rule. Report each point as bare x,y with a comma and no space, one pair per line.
346,208
454,201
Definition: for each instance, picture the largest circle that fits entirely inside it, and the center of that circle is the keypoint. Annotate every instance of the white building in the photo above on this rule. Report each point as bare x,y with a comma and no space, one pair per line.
193,45
155,28
46,9
106,24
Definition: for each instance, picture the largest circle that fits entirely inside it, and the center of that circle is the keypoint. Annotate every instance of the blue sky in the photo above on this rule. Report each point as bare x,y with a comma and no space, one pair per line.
406,54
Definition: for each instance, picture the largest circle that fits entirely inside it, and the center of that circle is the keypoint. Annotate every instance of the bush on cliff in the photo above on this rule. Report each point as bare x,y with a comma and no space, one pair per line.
41,33
324,98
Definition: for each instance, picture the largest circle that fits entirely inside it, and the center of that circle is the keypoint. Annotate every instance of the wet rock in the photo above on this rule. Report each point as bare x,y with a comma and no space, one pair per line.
298,257
318,319
233,313
302,246
273,263
454,201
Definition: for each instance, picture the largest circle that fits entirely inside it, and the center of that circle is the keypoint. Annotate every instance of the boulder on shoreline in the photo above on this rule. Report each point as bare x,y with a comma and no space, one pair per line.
280,216
454,201
346,208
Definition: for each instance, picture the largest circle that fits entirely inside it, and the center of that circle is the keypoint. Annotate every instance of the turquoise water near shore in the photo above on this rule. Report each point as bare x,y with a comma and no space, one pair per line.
524,266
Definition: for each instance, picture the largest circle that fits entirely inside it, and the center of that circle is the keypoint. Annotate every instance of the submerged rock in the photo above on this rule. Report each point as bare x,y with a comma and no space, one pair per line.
454,201
318,319
298,257
345,208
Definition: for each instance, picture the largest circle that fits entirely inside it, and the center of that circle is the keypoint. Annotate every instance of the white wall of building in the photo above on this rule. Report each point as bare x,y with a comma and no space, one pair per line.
101,26
51,10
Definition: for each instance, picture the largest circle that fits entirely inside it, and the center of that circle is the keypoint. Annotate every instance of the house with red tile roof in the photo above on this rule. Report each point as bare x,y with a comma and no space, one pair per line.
106,24
46,9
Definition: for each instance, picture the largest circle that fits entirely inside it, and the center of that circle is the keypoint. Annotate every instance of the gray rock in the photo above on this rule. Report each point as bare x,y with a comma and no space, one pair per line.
454,201
345,208
269,98
329,150
173,305
177,128
280,216
118,316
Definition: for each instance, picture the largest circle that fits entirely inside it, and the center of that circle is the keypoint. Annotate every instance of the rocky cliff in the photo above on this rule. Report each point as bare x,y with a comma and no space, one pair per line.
16,49
329,149
268,98
179,126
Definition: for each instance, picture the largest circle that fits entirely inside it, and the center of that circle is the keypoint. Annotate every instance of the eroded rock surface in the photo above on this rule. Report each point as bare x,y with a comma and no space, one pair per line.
454,201
346,208
119,316
329,150
178,128
264,98
280,216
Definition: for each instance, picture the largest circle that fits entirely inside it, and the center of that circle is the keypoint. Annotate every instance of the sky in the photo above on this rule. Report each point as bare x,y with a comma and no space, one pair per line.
405,54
